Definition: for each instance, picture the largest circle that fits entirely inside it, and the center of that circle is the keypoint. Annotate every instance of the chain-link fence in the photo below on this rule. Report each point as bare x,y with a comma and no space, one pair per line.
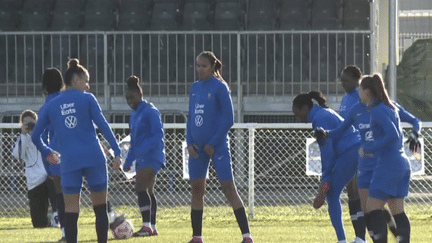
269,164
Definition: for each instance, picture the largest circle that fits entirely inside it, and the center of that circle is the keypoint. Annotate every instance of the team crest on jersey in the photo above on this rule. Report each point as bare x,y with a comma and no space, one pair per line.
71,122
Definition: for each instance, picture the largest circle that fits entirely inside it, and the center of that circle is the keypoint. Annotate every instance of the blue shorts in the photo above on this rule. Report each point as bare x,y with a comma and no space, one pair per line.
389,184
221,162
364,178
54,169
97,179
143,163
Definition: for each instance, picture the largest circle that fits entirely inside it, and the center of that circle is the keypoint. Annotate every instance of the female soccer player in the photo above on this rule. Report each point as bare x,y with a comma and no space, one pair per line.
209,121
147,149
72,115
35,172
52,85
391,176
339,157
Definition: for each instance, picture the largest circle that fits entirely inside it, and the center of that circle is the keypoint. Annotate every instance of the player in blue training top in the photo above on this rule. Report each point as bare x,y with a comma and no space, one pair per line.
350,79
209,121
52,85
391,176
339,157
147,148
72,115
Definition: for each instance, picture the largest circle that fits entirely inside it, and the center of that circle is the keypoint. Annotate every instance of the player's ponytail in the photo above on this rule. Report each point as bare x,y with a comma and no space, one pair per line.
319,97
376,85
74,68
133,84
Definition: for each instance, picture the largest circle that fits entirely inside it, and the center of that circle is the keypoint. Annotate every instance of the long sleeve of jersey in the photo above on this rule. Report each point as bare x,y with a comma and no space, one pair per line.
189,139
40,127
156,129
130,156
405,116
338,132
226,116
99,119
390,131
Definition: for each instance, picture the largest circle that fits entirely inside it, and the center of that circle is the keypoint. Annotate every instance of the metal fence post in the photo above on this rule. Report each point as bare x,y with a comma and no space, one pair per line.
251,198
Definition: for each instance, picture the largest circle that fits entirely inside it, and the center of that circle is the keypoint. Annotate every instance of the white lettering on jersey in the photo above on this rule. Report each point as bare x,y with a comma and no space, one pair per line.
67,109
369,136
71,122
199,108
364,126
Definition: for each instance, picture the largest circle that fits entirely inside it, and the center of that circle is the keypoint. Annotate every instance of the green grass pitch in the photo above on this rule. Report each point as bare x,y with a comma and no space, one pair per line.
269,225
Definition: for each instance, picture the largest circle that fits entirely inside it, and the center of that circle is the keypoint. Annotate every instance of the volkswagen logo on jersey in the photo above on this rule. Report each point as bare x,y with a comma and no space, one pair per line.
198,120
71,122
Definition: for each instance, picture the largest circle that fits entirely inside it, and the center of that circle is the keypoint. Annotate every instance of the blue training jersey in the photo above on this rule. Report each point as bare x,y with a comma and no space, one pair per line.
48,134
210,114
72,115
332,148
147,134
388,139
348,101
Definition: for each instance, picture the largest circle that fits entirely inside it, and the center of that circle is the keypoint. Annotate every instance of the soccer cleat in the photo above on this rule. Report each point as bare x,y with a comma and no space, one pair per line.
154,231
144,231
118,220
358,240
63,239
247,240
196,240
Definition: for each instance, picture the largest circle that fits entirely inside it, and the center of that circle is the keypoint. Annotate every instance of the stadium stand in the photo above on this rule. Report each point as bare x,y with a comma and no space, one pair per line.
261,15
229,15
10,14
100,15
165,15
36,15
134,15
355,15
67,15
196,15
326,15
295,14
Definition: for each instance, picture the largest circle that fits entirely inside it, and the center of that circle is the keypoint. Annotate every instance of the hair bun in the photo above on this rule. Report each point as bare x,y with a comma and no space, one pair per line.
73,63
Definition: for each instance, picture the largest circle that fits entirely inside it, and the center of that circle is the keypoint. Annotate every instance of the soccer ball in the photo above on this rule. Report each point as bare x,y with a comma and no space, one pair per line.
123,230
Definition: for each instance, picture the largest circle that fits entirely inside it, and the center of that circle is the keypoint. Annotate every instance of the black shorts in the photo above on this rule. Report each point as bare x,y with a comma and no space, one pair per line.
38,200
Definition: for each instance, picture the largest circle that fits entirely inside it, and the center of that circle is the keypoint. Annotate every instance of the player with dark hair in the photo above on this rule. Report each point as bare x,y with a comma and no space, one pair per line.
52,85
35,172
339,157
72,115
391,176
209,121
147,149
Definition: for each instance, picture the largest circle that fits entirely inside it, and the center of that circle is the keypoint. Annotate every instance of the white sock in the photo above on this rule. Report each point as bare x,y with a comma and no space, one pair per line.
247,235
197,237
147,224
153,226
63,232
111,216
342,241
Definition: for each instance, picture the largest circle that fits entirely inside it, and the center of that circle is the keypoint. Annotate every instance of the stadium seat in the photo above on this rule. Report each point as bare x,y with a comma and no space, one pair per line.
165,15
261,15
10,13
295,14
229,15
100,15
36,15
356,15
196,16
67,15
326,15
134,15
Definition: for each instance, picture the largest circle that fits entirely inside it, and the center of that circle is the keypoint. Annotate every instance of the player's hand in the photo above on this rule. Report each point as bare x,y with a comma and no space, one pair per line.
117,163
53,158
321,135
193,150
414,143
320,198
209,150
